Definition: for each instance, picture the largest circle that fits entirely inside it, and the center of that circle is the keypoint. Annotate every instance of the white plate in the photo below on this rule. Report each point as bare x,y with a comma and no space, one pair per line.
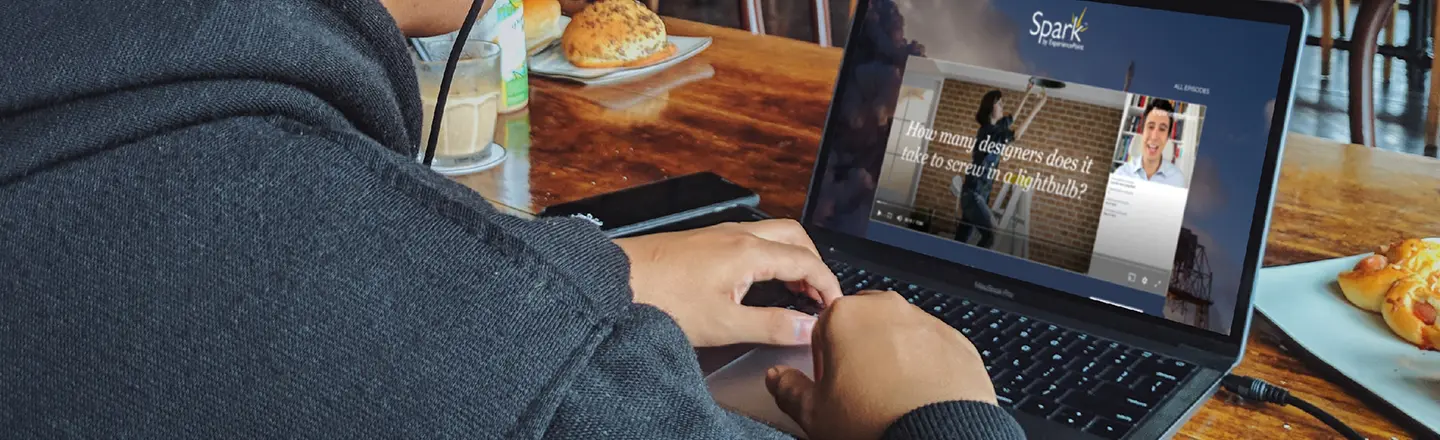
551,62
1306,303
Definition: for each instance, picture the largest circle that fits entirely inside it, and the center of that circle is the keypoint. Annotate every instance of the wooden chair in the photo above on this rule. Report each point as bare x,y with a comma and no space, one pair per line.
1327,32
1365,44
752,17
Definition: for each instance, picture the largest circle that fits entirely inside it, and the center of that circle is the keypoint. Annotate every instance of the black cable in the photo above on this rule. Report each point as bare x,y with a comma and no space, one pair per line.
456,50
1258,390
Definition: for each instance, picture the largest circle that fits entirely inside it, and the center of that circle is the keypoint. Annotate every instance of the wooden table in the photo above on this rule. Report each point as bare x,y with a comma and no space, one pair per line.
751,108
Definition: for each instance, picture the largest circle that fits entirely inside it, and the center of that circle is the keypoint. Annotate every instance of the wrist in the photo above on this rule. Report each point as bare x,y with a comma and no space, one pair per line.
638,255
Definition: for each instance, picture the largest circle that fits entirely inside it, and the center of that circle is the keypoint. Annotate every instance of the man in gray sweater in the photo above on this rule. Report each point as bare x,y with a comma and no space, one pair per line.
212,227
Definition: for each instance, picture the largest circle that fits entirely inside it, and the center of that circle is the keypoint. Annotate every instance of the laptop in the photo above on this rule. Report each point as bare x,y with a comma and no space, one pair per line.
1082,188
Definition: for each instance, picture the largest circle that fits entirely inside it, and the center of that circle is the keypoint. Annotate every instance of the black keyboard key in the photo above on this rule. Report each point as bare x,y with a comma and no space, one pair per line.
984,320
872,282
1017,380
1104,406
943,306
1051,356
1001,377
1007,396
1072,417
1118,376
1118,358
1025,332
986,334
1059,339
1172,369
1045,388
988,339
1087,368
990,355
1012,331
1039,406
1000,323
1020,362
1076,381
1124,395
1086,350
1021,348
1109,429
1152,388
962,316
1048,372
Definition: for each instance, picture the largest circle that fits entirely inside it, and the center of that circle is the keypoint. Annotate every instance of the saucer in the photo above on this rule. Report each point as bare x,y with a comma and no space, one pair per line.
473,164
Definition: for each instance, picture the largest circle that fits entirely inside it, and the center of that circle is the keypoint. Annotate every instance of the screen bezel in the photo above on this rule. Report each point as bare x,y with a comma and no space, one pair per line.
1232,344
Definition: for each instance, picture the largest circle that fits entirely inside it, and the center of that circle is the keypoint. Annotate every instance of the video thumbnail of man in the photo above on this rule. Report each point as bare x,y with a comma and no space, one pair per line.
1158,140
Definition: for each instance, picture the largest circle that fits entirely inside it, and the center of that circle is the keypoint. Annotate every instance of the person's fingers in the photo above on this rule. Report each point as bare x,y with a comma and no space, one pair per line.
821,346
875,292
770,325
793,393
771,260
782,230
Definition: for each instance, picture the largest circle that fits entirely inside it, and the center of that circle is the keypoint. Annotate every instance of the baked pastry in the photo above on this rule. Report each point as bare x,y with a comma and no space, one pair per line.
572,7
542,24
1415,255
615,33
1369,282
1410,310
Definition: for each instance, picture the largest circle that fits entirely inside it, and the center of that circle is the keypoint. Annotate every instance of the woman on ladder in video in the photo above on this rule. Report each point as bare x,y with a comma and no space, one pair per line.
997,128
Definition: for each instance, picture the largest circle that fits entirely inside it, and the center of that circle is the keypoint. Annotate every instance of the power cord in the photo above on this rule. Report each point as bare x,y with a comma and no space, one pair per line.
1255,389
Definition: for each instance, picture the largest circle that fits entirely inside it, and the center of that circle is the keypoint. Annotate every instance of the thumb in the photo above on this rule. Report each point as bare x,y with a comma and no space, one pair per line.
793,393
772,325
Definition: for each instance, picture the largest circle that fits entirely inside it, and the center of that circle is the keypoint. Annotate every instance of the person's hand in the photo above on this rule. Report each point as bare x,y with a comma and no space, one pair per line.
699,277
877,357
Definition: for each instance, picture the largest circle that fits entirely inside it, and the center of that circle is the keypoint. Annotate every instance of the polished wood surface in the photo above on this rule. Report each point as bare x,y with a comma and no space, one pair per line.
751,107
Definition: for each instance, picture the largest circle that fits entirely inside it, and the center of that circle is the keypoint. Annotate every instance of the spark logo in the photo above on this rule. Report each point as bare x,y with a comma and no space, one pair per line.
1059,34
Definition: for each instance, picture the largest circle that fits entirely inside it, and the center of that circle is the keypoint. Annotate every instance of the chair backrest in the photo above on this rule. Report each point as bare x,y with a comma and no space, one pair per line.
752,17
1365,43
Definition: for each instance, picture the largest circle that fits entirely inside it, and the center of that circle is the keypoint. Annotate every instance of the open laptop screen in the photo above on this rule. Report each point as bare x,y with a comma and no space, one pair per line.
1110,151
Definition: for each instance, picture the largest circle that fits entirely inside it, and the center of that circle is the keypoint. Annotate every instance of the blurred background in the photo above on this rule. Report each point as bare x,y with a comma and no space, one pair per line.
1396,36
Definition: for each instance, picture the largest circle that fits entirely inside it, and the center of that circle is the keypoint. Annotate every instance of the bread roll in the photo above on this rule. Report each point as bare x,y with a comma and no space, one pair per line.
542,20
1367,284
1414,255
1410,310
615,33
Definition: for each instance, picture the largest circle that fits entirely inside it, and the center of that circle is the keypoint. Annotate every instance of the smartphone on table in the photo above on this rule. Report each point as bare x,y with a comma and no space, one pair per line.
672,204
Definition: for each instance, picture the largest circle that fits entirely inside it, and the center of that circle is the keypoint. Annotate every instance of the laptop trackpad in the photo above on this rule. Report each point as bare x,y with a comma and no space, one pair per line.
740,386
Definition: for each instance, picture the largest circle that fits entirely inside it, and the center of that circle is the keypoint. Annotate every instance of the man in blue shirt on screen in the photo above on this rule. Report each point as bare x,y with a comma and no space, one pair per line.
1156,127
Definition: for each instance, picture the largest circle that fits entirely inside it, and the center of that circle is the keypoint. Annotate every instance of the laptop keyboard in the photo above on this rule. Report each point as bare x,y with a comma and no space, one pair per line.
1096,385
